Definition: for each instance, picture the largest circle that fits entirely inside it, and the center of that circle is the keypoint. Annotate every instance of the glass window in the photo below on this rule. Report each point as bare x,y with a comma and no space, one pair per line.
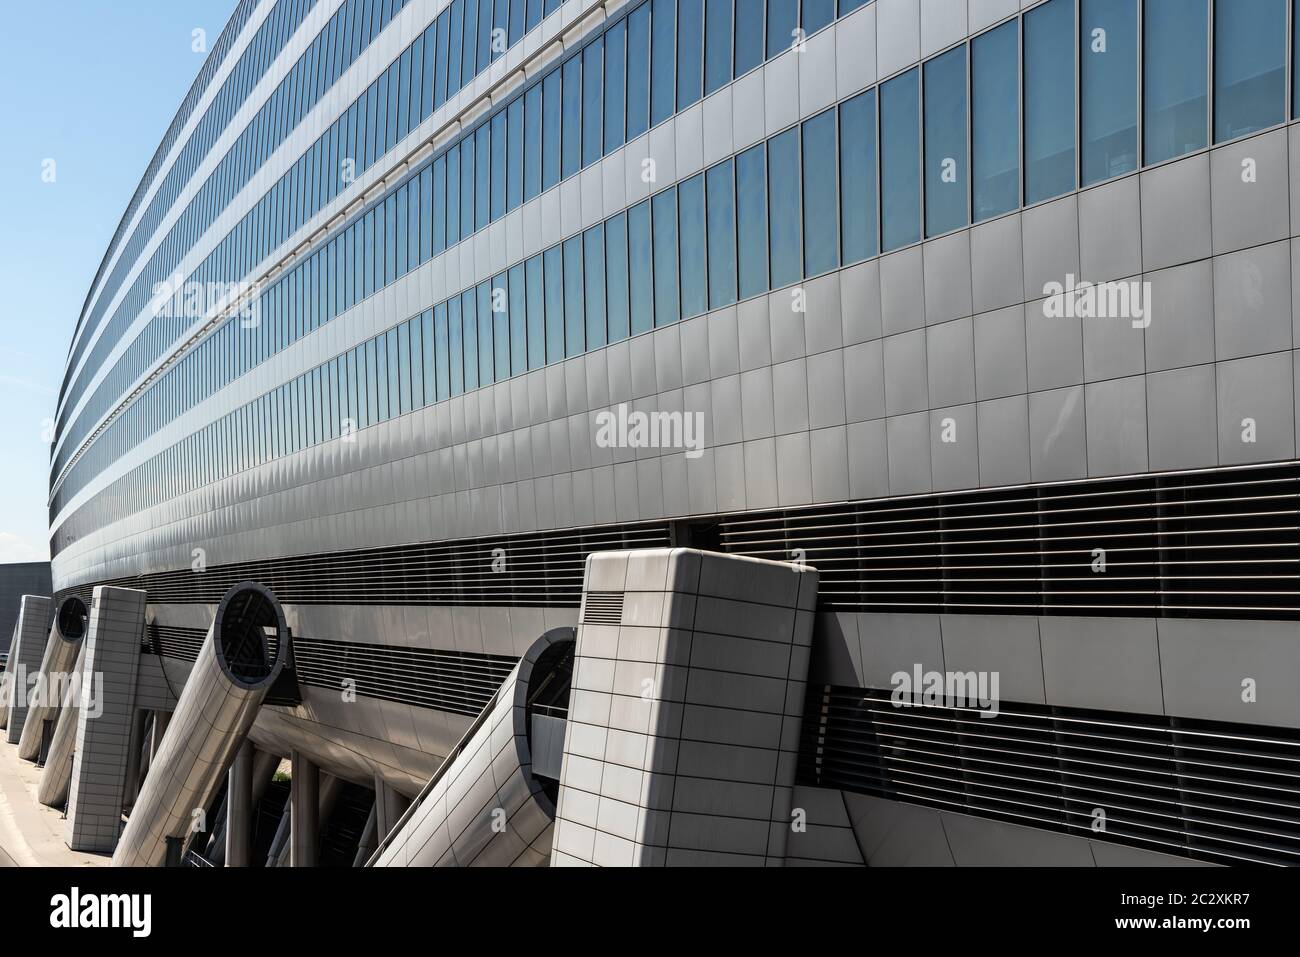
574,319
501,327
749,35
690,51
593,69
615,82
441,351
420,221
1174,39
469,339
751,220
640,249
900,160
785,236
532,142
453,196
468,68
482,177
720,190
694,253
1249,66
486,334
403,367
616,279
593,271
440,73
439,205
817,14
662,72
782,20
498,189
717,44
995,125
454,51
945,142
821,238
515,153
667,304
551,130
858,211
454,339
536,313
385,377
1295,59
1108,88
518,321
402,231
1049,100
553,263
427,360
638,71
516,22
571,149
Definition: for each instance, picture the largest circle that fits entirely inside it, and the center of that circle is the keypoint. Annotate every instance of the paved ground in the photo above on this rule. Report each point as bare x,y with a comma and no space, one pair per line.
31,835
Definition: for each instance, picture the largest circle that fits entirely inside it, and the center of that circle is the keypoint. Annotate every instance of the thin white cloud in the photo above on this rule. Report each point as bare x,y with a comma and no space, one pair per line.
16,382
14,548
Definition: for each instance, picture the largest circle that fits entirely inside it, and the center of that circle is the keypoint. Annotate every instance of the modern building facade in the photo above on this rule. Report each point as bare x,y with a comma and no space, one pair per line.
983,309
18,579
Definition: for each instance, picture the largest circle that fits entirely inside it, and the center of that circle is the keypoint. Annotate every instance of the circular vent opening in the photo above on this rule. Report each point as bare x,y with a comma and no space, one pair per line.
72,619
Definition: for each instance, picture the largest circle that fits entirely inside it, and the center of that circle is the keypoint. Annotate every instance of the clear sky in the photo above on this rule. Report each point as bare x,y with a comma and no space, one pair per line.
92,86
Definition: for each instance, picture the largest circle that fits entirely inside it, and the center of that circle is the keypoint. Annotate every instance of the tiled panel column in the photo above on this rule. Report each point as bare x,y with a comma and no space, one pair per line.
684,720
99,764
28,649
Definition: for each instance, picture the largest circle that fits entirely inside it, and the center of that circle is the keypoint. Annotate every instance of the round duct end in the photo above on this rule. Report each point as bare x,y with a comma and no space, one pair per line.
70,622
250,636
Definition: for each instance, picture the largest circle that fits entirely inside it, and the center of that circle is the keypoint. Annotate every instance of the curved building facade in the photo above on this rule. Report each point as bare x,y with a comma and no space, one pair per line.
982,308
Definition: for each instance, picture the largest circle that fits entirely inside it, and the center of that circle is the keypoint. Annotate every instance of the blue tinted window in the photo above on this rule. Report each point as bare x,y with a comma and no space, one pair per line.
820,196
467,171
858,211
551,130
486,336
694,255
1049,100
532,142
749,35
1174,39
501,331
690,51
900,161
785,232
945,142
751,220
995,125
638,71
615,81
455,46
469,340
518,305
717,44
427,356
1108,88
571,137
663,23
453,196
816,14
616,280
1249,66
440,73
593,272
574,318
482,177
782,19
498,191
536,313
641,275
667,304
454,339
515,154
593,62
467,69
439,205
720,189
553,263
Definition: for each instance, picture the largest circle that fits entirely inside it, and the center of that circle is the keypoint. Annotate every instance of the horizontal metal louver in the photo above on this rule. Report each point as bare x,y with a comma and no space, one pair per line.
1212,791
1219,544
603,608
460,682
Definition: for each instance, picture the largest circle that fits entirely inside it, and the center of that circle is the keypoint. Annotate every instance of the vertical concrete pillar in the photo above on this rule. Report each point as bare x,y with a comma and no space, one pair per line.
684,718
104,719
25,657
239,808
390,805
304,801
160,722
139,727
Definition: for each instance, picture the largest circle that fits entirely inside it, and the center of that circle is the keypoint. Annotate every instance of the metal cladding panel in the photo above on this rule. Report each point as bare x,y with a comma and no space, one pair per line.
53,788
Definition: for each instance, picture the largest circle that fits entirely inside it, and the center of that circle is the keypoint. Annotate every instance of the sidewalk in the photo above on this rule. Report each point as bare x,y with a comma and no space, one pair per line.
31,835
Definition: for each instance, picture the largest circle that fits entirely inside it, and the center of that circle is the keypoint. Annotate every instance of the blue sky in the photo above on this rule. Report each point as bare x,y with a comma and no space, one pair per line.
93,86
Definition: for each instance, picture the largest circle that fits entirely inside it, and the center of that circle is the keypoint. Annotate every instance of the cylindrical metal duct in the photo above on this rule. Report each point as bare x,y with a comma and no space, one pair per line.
57,774
485,806
61,650
240,659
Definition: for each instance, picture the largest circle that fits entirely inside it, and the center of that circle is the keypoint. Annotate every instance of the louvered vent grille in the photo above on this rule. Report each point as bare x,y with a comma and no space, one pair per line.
1206,790
603,608
455,681
1210,544
531,570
